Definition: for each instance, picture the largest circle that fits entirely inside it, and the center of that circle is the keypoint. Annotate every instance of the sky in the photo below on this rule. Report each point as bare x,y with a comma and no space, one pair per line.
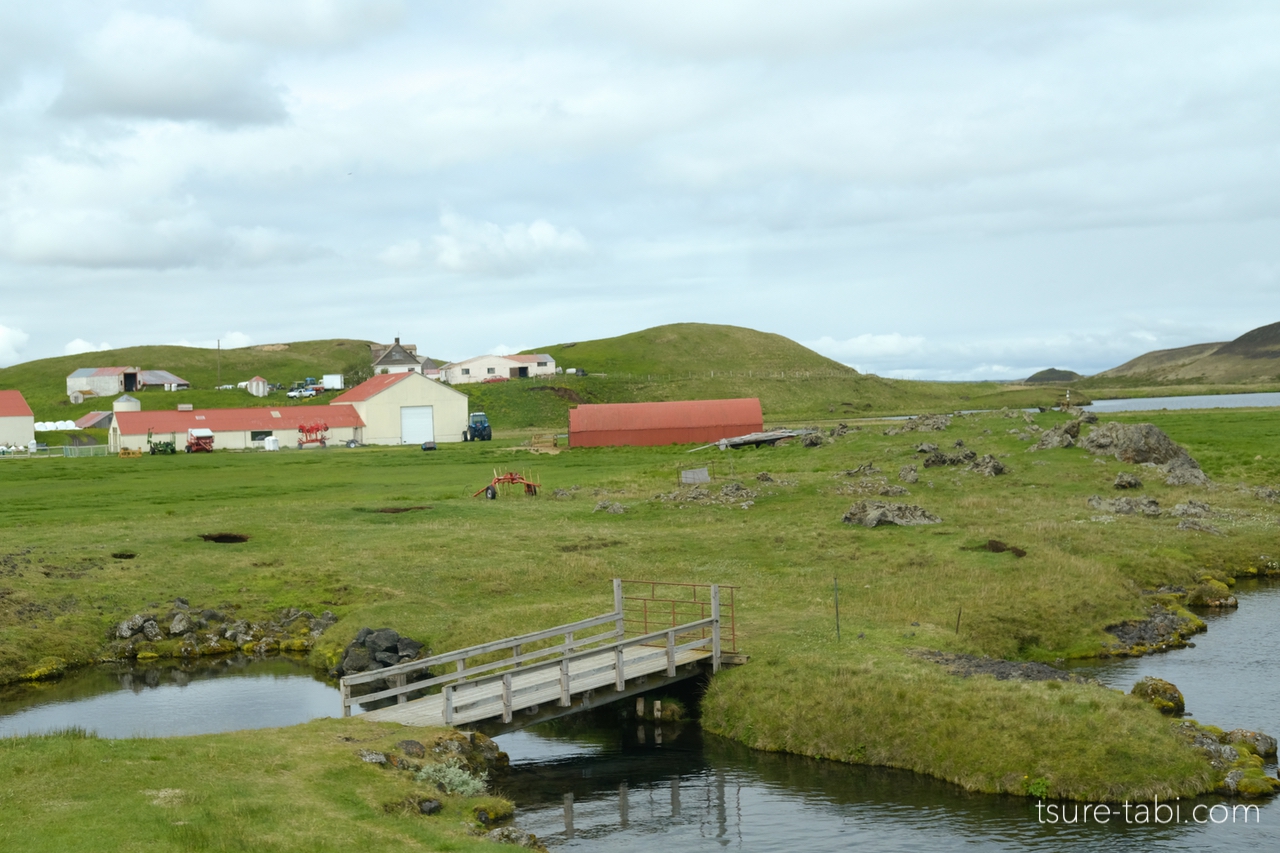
917,188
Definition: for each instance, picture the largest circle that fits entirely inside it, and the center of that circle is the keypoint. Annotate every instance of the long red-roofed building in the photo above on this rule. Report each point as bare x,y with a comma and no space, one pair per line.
650,424
234,429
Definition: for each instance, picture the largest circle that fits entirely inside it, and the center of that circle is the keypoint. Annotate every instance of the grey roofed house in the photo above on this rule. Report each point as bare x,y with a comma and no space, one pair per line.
395,358
161,378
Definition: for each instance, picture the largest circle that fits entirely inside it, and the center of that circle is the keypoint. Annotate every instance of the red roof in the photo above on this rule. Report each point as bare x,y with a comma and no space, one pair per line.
370,387
13,405
92,419
647,424
235,420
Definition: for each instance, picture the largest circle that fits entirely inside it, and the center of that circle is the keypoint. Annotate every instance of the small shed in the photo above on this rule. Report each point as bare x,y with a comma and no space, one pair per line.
17,421
650,424
257,386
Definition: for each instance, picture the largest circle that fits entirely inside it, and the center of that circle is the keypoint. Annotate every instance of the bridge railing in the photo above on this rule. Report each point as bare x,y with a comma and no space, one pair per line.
650,605
572,647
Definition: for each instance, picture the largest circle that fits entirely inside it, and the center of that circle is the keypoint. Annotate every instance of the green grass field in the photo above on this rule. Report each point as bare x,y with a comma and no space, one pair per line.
467,570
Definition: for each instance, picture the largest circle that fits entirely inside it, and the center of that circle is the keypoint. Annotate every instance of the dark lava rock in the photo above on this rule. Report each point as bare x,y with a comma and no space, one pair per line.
1126,506
382,640
1125,480
429,807
412,748
152,631
1192,509
938,459
1159,631
811,439
408,649
1184,471
876,513
357,659
988,466
1264,745
512,835
1133,443
1002,670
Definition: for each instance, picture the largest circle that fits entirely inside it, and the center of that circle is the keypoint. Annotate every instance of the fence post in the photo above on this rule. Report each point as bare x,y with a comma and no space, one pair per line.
399,681
448,704
565,699
346,698
671,653
715,628
506,698
620,682
617,607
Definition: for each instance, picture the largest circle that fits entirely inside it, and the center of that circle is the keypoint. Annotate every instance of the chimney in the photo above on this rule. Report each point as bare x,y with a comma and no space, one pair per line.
397,342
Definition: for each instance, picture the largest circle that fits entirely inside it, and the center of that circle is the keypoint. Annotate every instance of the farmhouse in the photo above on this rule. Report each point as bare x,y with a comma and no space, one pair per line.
233,429
406,408
17,422
648,424
496,367
396,358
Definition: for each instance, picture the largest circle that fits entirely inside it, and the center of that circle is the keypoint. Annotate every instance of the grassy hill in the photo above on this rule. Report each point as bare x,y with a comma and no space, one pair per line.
1251,358
691,361
44,382
1053,374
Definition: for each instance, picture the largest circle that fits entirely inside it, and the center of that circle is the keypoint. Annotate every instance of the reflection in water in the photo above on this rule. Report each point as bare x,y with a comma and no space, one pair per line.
1194,401
597,784
219,695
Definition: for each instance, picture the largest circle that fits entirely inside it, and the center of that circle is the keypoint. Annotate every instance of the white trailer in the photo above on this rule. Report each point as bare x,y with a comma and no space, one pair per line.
332,381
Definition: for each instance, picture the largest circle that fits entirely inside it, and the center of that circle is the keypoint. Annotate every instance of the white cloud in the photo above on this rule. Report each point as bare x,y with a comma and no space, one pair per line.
11,343
867,347
484,247
141,66
80,345
405,254
302,23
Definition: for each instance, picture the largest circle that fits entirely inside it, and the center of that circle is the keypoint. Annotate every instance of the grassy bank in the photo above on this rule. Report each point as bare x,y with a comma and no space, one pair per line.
466,570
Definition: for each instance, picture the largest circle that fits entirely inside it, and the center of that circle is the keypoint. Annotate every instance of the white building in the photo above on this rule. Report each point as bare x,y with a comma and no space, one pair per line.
406,408
233,429
496,367
396,358
17,421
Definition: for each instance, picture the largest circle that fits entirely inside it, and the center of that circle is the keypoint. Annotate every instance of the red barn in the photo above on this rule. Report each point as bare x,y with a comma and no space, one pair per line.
649,424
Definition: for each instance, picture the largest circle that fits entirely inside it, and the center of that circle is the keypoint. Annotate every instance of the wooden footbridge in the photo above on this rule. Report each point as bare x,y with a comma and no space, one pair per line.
656,634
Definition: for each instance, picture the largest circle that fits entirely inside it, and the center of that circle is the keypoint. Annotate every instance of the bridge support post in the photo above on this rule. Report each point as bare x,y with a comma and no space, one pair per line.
346,699
621,681
617,607
506,698
671,654
715,628
448,704
565,698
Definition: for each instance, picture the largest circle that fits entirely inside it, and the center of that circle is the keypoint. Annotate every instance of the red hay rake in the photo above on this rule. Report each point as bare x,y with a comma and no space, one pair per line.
511,478
316,433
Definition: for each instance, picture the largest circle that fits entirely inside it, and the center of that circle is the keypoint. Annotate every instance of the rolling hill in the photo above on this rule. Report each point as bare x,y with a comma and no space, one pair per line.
44,382
1252,357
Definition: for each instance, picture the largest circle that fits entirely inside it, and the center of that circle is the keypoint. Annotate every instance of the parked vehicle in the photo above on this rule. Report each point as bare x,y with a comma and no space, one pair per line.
298,393
478,429
199,441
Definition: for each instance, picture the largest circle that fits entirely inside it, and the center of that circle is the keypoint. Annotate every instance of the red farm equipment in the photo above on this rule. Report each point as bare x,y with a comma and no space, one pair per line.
199,441
316,433
510,478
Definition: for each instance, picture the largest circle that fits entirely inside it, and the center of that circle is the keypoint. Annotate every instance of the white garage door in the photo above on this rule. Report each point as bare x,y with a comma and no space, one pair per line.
417,424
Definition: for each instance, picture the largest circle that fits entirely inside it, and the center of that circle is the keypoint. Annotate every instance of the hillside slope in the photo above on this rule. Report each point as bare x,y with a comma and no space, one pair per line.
684,348
44,382
1252,357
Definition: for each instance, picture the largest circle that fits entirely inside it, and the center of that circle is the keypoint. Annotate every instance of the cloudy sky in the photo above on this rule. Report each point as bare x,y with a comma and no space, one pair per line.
919,188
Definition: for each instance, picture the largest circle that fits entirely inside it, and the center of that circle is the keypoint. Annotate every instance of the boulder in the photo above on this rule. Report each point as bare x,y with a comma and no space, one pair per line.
1133,443
513,835
937,458
1264,745
908,474
1184,471
1192,509
181,624
988,466
1063,435
429,807
370,756
412,748
811,439
926,447
131,626
357,659
409,649
1126,506
1164,695
876,513
383,640
1125,480
152,631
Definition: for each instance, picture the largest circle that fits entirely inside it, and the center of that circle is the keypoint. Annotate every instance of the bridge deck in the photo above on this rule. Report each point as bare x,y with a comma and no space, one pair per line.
477,702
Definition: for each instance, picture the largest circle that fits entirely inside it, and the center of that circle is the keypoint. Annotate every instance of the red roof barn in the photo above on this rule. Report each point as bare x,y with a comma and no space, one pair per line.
649,424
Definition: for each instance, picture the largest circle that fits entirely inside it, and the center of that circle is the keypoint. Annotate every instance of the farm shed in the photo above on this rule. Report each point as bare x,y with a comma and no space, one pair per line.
648,424
102,381
234,429
17,421
94,420
161,379
406,408
257,386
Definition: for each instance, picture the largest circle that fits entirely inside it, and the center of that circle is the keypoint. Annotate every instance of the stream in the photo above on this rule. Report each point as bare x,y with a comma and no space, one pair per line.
595,783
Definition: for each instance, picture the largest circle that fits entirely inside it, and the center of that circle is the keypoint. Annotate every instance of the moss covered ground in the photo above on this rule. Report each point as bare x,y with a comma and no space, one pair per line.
467,570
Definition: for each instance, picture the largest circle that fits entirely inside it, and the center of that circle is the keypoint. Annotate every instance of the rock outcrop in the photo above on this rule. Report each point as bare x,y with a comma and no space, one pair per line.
186,632
1146,443
374,649
876,513
1125,506
1165,696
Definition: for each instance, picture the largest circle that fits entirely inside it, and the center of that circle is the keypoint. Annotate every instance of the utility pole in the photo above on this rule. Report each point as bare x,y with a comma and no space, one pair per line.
219,362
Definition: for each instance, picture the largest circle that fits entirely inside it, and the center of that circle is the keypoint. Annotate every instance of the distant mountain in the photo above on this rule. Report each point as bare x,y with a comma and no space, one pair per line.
1053,374
1252,357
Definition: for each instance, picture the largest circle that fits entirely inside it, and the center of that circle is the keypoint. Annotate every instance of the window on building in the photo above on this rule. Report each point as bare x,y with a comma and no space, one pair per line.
542,364
259,434
466,371
493,370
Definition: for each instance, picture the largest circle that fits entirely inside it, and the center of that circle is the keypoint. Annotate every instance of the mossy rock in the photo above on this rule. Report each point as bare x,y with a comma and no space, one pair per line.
302,644
1209,593
48,668
1165,696
1257,786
